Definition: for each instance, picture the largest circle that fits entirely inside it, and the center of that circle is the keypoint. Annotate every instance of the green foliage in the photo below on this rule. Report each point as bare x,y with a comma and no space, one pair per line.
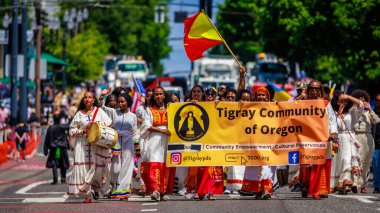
336,40
130,26
85,53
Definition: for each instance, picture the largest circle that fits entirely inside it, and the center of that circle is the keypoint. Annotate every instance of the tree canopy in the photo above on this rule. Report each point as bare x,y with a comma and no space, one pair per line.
115,27
338,40
131,30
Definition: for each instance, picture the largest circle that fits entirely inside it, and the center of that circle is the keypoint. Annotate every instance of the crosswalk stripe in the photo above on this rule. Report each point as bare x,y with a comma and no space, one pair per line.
149,204
45,200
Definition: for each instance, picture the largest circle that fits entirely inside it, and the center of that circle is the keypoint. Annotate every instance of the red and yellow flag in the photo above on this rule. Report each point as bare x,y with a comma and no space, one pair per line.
200,35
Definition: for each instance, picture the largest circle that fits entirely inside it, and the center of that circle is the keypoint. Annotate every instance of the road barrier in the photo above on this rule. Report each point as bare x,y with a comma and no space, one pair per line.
8,146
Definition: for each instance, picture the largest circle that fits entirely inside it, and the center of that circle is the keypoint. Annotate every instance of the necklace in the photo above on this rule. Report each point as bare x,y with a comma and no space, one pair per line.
88,112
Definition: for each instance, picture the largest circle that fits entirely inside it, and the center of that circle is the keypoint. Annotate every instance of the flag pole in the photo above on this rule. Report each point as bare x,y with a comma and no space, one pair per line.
224,42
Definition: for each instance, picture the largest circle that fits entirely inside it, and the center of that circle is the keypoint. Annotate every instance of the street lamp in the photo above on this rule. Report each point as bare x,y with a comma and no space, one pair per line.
85,16
6,21
73,19
79,20
66,18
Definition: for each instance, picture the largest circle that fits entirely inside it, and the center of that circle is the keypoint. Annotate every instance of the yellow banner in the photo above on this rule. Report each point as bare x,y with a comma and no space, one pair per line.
232,133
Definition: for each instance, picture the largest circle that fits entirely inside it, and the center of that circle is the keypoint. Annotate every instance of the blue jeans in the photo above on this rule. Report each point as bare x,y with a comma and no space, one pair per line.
376,168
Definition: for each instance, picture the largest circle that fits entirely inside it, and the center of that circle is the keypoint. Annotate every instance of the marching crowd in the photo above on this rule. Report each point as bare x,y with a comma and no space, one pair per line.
138,158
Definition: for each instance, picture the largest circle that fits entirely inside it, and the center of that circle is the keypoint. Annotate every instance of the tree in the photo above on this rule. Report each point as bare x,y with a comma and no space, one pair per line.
85,53
129,26
336,40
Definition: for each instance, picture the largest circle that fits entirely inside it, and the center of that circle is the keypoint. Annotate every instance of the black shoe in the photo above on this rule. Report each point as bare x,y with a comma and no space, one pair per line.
246,193
324,196
54,183
376,191
63,181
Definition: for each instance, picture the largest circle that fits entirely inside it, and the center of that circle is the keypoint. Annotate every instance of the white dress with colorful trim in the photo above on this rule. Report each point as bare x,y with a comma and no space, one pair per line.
126,126
348,157
91,161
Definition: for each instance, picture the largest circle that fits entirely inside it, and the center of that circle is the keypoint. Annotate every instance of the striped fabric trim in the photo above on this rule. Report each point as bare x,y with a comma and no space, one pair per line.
136,144
102,156
235,181
82,163
78,184
115,152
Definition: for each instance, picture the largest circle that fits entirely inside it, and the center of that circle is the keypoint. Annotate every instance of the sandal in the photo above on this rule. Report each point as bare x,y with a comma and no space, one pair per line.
266,195
88,200
95,195
354,189
155,196
363,190
304,191
258,195
211,197
164,198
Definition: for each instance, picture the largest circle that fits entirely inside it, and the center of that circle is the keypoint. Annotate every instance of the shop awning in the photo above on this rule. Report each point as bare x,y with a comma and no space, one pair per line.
7,80
52,59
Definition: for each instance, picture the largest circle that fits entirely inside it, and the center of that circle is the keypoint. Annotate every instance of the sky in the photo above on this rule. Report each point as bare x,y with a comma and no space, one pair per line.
178,61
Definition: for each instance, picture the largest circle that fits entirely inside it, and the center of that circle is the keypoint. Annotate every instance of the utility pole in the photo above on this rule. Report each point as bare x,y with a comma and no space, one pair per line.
64,77
38,57
23,93
13,70
206,5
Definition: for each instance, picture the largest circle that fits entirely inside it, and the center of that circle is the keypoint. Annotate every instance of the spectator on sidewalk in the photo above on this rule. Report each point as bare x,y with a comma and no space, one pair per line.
21,138
55,147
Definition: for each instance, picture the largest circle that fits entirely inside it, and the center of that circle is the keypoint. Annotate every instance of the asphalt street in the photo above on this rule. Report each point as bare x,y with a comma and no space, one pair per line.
25,187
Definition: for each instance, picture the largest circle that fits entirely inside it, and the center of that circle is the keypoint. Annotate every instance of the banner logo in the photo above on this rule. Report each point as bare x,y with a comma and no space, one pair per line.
176,158
191,122
294,157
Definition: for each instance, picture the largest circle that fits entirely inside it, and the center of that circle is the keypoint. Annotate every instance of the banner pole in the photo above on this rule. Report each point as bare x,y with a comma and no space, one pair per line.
224,41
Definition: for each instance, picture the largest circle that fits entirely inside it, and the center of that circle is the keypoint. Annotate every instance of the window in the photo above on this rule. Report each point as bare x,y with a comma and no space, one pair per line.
131,67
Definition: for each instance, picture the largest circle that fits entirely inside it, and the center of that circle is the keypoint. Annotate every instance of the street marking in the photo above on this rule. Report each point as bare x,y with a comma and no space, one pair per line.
24,189
364,199
148,210
140,199
44,200
149,204
234,196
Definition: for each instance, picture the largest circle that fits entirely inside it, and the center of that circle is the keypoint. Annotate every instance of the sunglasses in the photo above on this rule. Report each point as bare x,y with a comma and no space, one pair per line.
221,88
230,96
315,88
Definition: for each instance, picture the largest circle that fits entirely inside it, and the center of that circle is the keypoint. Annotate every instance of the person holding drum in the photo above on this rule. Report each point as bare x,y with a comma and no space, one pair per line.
125,122
159,179
90,161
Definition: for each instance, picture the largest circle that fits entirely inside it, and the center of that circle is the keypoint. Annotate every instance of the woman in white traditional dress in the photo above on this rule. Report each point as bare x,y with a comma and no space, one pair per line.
235,174
259,179
347,163
125,122
158,179
363,135
111,102
90,161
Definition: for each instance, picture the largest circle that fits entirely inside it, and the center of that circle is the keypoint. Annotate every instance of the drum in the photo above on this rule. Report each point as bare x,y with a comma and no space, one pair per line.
101,135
